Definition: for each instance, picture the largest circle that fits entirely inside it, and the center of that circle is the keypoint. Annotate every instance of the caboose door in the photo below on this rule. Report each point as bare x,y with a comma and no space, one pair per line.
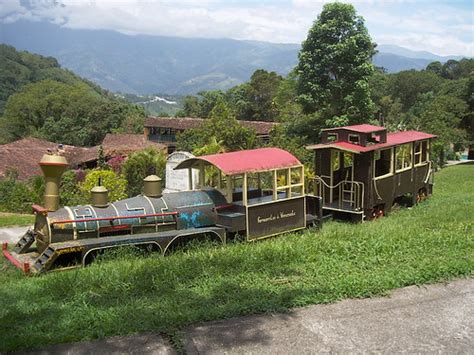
342,176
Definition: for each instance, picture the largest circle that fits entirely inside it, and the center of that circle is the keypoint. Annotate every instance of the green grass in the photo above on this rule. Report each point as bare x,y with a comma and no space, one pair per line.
429,243
11,219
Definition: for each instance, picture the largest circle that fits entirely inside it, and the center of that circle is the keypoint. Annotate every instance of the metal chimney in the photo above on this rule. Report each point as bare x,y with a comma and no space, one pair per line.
152,186
53,167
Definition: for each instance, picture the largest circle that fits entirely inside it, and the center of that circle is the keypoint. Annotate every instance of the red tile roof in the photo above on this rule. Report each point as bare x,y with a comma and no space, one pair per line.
23,155
245,161
360,128
114,144
392,139
182,123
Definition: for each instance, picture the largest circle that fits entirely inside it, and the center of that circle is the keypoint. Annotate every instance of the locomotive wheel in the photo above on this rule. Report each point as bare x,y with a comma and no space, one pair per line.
377,212
421,196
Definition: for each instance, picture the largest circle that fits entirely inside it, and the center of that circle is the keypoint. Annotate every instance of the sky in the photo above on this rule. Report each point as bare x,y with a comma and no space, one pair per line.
441,27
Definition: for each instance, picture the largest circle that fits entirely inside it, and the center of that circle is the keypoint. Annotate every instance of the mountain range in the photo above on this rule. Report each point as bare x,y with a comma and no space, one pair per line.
142,64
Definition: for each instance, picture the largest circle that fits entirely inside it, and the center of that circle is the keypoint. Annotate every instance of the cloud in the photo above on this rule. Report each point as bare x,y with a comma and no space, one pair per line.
417,25
439,44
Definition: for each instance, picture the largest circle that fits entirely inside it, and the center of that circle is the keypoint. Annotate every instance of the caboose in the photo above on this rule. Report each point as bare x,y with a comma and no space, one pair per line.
363,170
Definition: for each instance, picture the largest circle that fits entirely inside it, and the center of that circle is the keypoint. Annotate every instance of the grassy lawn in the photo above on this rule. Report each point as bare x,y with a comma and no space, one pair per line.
429,243
11,219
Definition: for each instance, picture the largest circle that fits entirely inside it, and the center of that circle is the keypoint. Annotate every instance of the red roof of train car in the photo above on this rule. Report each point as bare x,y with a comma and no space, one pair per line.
246,161
393,139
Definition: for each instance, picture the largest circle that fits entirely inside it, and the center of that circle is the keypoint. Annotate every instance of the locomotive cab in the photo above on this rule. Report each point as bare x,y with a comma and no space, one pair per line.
264,191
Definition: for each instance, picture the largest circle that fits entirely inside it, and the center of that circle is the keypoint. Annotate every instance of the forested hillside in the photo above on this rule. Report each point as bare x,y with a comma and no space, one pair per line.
18,68
141,64
39,98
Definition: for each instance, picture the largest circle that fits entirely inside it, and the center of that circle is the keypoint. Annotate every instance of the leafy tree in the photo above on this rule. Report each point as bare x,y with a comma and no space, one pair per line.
237,98
116,185
191,139
191,107
451,70
391,113
286,94
141,164
335,66
435,67
285,137
202,105
221,126
261,91
18,196
407,85
70,114
133,122
69,192
213,147
209,101
378,84
101,163
440,115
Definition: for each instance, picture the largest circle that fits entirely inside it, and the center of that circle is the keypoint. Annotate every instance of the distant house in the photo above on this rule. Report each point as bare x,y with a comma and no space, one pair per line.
23,155
165,129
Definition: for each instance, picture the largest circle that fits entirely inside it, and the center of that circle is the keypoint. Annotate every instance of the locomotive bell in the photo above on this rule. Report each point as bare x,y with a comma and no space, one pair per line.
152,186
53,167
99,196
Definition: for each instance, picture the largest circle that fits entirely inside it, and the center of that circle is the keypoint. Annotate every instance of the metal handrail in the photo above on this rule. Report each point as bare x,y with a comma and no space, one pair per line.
356,191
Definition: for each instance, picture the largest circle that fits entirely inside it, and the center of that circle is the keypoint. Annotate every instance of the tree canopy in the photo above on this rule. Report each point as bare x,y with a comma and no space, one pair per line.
58,112
221,127
335,66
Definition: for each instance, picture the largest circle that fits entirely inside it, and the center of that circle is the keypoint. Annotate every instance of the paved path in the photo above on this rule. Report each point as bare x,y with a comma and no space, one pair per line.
12,234
428,319
436,318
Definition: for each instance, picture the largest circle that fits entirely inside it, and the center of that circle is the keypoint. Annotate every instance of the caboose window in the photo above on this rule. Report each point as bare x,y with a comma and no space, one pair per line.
403,157
332,137
374,138
383,163
348,159
421,149
335,161
354,138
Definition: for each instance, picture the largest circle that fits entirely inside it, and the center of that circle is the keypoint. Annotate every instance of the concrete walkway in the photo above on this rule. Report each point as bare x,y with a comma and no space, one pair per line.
429,319
12,234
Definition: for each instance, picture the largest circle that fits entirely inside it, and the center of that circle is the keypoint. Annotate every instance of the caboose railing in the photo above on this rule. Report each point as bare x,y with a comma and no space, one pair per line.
345,195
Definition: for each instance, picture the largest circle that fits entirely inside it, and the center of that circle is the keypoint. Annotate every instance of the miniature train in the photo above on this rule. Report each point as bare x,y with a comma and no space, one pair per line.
361,171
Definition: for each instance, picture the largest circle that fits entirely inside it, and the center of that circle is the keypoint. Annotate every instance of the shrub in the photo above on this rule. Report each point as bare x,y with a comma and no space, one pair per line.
115,163
141,164
15,196
36,185
69,192
116,185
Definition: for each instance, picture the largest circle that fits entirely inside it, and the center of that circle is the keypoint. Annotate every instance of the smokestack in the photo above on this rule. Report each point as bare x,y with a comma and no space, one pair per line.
53,167
99,196
152,186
